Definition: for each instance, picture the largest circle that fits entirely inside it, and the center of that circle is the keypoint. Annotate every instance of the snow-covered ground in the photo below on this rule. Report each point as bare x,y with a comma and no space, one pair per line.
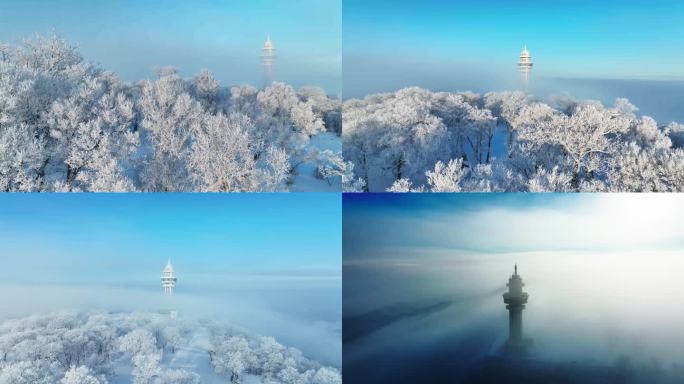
194,357
321,147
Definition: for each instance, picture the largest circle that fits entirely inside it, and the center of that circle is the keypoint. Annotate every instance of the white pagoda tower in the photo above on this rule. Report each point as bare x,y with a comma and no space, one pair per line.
525,64
168,279
268,57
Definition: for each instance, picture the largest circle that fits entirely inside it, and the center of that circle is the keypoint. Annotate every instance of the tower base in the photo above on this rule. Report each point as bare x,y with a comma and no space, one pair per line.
517,349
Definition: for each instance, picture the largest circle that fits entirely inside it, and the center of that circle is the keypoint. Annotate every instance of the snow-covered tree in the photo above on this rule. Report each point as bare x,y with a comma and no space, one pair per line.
330,109
401,141
276,125
172,338
550,181
675,132
68,125
91,132
401,185
177,376
221,157
276,171
305,120
507,106
27,372
207,89
351,183
140,343
243,100
234,357
81,375
169,116
94,348
326,375
446,178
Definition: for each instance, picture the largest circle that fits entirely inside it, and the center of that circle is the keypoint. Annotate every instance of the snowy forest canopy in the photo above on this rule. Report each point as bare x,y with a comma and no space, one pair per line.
145,348
418,140
68,125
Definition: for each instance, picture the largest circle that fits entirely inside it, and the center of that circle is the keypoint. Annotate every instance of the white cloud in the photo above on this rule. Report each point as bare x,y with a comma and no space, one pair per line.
589,222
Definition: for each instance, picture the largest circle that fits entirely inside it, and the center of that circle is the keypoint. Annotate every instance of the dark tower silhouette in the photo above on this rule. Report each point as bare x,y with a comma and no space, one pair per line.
515,300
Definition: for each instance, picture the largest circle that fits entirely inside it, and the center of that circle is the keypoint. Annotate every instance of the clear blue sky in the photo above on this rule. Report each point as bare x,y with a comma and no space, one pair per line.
132,37
398,43
68,236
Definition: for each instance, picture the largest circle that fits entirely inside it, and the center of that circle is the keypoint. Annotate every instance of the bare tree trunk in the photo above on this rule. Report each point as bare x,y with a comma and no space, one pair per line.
576,176
398,169
489,147
365,168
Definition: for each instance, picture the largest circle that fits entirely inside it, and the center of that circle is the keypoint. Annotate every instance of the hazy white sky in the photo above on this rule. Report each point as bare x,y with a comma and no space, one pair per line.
484,223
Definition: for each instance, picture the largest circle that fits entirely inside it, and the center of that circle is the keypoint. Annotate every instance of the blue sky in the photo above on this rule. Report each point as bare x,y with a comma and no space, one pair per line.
399,43
132,37
67,237
270,263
